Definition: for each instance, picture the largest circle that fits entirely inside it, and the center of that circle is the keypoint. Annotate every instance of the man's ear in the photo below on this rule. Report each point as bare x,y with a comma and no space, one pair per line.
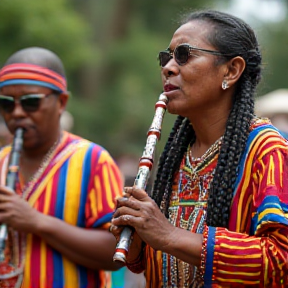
63,99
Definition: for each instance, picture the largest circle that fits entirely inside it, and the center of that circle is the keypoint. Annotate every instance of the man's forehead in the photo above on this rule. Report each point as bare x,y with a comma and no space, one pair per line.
23,89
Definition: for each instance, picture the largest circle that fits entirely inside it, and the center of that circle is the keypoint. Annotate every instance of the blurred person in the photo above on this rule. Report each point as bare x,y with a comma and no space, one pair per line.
274,106
218,217
65,188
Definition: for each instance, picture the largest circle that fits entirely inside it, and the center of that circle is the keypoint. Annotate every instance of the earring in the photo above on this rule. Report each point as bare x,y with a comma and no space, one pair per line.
225,84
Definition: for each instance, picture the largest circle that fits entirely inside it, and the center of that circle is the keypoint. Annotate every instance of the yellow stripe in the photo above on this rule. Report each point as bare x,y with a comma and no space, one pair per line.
107,187
73,187
253,256
270,178
43,248
240,240
43,252
239,265
244,273
27,268
238,247
268,211
245,212
98,199
280,167
93,205
246,282
70,273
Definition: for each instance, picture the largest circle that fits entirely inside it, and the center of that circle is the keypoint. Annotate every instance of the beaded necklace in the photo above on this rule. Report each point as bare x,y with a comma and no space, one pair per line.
43,165
200,162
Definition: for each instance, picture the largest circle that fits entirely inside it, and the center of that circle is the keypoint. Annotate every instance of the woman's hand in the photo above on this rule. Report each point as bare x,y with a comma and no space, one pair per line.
15,212
138,210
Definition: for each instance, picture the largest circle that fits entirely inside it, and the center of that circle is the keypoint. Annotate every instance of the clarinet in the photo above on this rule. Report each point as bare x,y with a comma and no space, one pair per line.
11,179
144,169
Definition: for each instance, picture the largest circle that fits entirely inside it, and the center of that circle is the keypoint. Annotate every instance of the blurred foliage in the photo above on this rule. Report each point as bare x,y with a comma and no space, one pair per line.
274,43
52,24
109,49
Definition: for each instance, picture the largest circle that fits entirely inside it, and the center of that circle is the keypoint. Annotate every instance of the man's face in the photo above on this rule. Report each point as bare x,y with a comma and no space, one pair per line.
40,125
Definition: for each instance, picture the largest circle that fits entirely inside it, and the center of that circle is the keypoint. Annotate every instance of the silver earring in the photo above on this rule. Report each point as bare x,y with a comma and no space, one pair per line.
225,84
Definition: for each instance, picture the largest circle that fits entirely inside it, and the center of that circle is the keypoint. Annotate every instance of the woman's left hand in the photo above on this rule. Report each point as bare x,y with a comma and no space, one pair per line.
138,210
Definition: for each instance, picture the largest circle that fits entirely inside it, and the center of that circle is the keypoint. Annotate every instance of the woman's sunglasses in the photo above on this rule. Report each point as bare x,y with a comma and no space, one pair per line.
29,103
181,54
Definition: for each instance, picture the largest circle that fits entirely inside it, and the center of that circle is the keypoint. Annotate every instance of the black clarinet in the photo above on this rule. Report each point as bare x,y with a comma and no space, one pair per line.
145,166
11,179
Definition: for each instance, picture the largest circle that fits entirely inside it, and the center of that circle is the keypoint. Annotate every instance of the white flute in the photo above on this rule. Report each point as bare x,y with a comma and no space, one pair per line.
144,169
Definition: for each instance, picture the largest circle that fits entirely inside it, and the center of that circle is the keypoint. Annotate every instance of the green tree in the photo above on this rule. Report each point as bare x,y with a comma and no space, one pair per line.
53,24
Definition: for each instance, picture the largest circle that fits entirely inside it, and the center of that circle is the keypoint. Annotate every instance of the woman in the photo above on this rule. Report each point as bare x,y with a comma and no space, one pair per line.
219,214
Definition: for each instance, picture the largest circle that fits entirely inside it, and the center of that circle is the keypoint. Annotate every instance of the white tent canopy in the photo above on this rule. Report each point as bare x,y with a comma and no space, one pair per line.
275,102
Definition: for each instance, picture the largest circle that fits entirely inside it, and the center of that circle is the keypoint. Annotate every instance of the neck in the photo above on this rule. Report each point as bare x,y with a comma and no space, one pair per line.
207,131
37,153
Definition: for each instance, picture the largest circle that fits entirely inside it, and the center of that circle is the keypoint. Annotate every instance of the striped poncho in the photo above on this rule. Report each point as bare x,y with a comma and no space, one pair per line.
253,250
78,186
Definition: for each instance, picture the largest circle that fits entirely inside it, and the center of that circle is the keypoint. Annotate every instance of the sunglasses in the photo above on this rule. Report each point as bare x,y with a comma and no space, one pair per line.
29,103
181,54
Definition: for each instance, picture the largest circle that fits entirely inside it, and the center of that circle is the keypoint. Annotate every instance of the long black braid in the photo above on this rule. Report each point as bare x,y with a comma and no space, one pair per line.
232,37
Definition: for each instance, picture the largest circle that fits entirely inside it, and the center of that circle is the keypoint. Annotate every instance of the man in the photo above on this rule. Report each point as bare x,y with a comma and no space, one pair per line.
66,185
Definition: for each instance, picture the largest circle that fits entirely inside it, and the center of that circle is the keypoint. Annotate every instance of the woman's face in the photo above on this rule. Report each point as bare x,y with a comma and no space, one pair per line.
194,87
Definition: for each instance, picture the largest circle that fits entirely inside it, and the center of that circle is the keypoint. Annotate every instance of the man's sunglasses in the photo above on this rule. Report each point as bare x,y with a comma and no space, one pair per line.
181,54
29,103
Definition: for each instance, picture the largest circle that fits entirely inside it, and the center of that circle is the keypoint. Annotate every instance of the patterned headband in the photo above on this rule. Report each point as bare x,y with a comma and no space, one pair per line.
30,74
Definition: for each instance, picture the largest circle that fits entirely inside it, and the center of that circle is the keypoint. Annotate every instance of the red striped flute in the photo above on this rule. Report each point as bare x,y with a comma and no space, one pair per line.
11,179
144,169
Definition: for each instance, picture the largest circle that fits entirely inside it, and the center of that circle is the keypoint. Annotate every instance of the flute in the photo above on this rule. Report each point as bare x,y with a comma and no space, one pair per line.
144,169
11,179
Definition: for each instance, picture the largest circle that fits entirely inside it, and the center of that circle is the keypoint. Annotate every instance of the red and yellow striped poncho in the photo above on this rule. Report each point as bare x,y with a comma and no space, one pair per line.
253,251
79,187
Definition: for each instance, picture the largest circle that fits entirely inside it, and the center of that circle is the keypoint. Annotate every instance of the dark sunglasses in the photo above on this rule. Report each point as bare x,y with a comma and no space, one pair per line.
29,103
181,54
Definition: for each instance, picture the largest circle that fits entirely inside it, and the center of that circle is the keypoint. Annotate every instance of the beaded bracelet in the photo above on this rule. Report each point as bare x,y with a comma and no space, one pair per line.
136,266
204,252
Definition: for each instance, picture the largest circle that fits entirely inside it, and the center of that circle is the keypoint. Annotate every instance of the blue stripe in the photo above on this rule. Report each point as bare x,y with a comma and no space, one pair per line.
58,277
86,170
272,201
269,202
105,219
209,258
253,134
30,82
59,209
82,276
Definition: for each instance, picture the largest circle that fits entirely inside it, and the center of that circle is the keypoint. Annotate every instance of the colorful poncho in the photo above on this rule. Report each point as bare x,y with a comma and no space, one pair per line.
253,251
78,186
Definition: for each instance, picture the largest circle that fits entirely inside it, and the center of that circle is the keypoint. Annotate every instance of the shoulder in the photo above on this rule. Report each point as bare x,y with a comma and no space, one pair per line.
86,147
264,138
4,151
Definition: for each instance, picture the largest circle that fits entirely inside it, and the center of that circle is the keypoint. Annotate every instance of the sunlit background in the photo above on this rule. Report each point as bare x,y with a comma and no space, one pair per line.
109,49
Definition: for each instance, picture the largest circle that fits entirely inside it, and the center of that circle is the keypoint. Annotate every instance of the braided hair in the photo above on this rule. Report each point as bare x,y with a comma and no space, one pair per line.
232,37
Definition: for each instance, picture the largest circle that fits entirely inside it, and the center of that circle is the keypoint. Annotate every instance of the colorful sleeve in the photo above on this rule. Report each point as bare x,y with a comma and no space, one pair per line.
104,186
261,258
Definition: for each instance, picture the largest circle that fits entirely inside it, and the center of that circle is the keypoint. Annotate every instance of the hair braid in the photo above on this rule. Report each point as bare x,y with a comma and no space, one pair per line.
170,161
234,142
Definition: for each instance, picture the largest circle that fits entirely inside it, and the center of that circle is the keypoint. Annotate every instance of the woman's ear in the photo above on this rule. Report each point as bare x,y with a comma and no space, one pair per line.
234,70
